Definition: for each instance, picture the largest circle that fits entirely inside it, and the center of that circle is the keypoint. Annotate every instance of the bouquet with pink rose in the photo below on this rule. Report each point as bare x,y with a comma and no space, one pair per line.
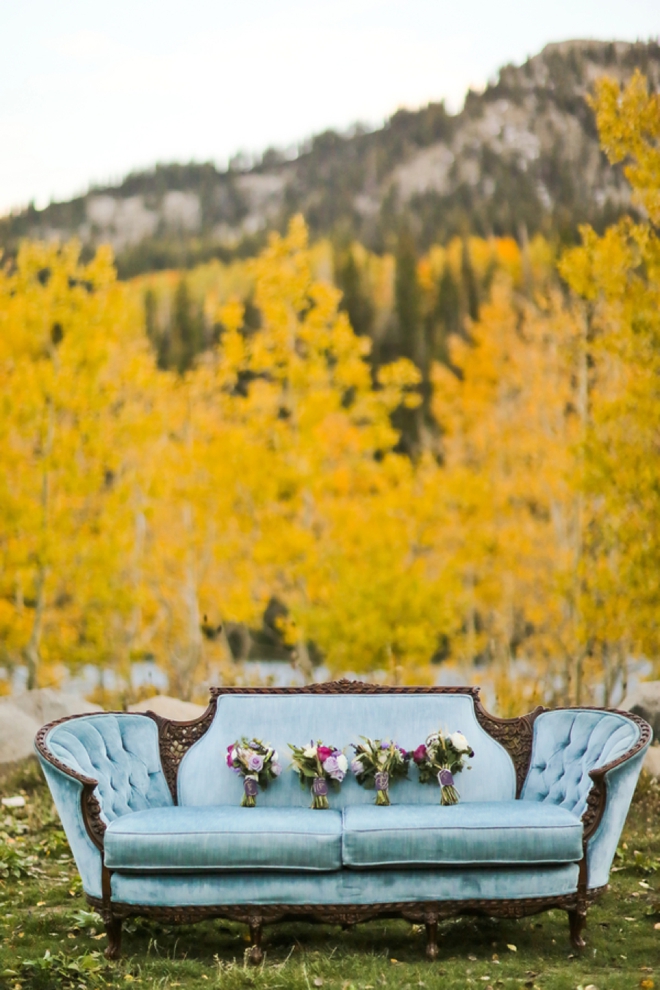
321,766
257,763
441,757
377,764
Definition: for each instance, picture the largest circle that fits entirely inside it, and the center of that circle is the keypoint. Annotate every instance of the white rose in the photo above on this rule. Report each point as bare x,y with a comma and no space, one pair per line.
310,752
234,754
342,762
459,742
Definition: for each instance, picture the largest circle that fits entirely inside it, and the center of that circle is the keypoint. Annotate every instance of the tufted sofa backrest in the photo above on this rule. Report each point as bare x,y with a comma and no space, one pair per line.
120,750
205,779
567,745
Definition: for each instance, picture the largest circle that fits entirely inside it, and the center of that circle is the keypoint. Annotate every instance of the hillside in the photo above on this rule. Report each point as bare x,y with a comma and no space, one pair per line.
521,157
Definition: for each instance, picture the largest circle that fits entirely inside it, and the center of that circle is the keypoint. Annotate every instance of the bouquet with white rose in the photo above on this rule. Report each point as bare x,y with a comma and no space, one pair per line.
257,763
321,766
377,764
439,759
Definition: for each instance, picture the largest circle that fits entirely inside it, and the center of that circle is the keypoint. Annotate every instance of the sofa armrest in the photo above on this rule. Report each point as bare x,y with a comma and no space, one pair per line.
100,767
608,803
79,812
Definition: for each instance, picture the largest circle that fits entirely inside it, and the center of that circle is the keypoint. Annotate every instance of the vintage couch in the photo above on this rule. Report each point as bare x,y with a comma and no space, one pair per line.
152,811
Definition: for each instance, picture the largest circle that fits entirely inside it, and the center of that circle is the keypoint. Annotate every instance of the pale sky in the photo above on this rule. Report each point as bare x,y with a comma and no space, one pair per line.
90,90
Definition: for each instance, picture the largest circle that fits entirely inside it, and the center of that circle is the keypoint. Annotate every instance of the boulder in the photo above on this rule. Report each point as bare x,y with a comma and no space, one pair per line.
652,761
22,715
17,732
644,700
47,704
174,708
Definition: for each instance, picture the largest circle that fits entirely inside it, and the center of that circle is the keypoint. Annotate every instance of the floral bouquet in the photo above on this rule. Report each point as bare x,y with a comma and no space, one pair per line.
322,765
257,763
377,764
439,758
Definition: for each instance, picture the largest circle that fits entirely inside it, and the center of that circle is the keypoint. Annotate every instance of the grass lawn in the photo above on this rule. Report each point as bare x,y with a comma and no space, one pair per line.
50,940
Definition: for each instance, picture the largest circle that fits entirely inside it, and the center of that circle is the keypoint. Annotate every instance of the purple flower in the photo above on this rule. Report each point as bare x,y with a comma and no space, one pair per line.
255,762
337,774
331,766
384,745
357,767
275,769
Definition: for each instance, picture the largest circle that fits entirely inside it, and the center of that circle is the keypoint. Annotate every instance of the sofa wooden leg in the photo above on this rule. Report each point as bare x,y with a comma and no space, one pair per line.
256,952
113,931
432,939
577,920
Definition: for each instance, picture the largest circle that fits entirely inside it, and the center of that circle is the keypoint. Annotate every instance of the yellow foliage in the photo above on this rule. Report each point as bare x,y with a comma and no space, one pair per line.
142,509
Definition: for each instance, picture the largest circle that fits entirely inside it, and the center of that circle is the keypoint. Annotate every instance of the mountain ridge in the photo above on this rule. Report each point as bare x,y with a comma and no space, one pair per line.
520,157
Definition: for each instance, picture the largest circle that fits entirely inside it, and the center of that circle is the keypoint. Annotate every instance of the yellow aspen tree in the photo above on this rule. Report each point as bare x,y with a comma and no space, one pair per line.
507,409
61,325
617,276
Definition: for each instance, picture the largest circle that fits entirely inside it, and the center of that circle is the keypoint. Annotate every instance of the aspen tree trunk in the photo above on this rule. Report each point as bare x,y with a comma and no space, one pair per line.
191,598
303,661
584,414
32,652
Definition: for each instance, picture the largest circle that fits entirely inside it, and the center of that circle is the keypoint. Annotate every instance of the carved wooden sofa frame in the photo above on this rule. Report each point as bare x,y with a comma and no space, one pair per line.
514,734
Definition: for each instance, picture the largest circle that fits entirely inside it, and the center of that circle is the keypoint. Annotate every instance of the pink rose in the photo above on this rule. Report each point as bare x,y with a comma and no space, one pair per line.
419,754
323,752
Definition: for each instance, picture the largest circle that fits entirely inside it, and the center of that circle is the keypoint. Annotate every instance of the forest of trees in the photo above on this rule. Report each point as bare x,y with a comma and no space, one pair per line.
445,458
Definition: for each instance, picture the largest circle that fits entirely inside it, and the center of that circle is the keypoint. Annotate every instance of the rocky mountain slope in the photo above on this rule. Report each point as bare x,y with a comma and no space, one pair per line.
520,157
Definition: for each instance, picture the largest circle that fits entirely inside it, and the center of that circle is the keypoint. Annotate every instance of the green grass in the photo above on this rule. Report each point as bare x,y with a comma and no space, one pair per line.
49,939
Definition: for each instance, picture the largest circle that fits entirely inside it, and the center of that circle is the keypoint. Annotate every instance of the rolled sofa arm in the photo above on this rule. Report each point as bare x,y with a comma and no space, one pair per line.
79,813
588,760
99,767
608,804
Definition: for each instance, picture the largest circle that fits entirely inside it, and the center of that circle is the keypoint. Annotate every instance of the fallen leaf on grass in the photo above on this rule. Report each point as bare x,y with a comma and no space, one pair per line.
657,926
512,948
318,982
647,984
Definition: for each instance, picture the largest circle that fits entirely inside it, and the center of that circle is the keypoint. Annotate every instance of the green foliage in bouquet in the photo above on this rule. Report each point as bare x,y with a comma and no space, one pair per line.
321,766
257,763
439,759
377,764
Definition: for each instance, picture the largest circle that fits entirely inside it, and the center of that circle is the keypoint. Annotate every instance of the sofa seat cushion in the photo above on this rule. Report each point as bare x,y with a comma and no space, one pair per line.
492,832
225,838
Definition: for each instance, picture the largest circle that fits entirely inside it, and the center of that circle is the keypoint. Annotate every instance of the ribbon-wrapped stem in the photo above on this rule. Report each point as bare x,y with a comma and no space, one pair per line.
448,793
382,784
250,789
320,793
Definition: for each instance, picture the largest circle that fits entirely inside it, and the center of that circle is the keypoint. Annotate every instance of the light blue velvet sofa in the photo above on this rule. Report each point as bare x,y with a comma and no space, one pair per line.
153,815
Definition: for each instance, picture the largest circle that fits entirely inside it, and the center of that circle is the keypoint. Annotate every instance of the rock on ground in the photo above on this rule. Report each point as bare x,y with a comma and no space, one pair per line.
652,761
174,708
644,700
22,715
